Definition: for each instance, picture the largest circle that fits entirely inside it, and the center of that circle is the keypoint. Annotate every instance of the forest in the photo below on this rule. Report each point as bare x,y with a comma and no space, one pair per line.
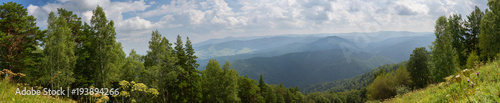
75,54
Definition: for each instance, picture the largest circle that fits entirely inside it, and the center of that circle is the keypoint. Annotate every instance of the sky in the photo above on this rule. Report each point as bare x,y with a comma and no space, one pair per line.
201,20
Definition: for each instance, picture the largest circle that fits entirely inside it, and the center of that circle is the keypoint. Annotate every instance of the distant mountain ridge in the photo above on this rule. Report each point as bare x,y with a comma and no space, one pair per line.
354,54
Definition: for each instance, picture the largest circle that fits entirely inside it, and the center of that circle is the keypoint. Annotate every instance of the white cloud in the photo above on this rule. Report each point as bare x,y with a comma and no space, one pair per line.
205,19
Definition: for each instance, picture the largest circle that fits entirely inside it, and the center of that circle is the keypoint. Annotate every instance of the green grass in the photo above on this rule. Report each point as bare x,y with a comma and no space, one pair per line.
486,89
8,91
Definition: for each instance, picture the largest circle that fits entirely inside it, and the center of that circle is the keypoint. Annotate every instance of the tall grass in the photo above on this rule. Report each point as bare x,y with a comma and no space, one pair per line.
8,95
483,87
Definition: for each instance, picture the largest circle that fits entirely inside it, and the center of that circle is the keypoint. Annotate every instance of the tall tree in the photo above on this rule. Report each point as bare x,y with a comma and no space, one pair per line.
104,49
489,35
473,26
248,91
220,85
60,58
418,68
19,37
160,70
193,75
443,53
133,67
457,30
230,83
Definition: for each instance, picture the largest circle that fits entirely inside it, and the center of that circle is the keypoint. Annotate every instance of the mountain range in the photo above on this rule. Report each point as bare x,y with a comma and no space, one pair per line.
301,60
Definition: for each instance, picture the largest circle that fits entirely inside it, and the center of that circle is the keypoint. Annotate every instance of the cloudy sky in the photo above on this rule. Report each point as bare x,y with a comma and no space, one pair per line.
207,19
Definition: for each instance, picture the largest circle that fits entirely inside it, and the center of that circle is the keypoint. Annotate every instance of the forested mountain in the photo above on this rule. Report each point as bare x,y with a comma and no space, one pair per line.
299,69
354,83
233,46
399,48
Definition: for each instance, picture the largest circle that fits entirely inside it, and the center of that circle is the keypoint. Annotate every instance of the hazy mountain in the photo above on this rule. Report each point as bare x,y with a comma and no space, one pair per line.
299,69
399,48
235,47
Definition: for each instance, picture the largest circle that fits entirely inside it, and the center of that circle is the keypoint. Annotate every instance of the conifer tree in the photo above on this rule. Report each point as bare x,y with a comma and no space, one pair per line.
19,37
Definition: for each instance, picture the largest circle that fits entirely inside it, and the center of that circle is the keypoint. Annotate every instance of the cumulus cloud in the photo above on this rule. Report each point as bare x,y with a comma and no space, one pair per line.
205,19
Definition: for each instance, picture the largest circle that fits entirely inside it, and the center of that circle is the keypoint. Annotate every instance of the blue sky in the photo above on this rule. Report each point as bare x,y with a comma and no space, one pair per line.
206,19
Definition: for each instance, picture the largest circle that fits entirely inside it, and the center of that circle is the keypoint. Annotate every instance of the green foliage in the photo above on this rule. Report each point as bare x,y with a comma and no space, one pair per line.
355,83
132,67
160,70
248,91
59,56
106,53
219,85
455,26
485,88
472,60
323,66
381,88
418,67
473,25
8,91
488,37
321,99
387,85
19,37
443,53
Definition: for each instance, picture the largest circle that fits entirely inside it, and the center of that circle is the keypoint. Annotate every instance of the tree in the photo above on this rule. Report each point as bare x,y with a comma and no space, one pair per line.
230,83
402,77
133,67
220,85
60,58
161,71
443,53
105,51
489,35
248,92
193,76
473,26
418,67
472,60
382,87
455,27
188,78
19,37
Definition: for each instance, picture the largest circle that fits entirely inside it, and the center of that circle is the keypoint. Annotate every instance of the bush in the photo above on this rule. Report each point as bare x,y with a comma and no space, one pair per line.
402,90
472,60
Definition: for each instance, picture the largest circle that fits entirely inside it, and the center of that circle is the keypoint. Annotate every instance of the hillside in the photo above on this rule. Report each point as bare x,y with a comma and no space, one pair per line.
355,83
300,69
8,91
481,88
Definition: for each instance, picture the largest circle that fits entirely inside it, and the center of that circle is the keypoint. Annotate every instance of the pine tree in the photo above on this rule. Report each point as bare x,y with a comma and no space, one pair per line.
455,27
193,76
248,92
160,67
473,25
19,37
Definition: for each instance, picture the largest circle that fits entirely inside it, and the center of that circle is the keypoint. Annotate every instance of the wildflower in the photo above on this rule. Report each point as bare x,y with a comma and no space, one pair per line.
477,73
467,80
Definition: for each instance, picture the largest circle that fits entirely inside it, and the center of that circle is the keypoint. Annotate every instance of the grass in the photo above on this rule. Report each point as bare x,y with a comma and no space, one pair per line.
8,91
485,89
